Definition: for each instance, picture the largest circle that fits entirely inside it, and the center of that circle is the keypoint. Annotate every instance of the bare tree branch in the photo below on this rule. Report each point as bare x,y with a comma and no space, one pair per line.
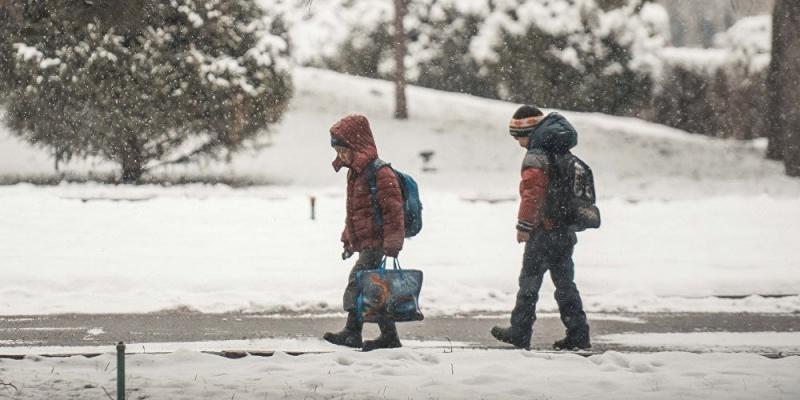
9,384
107,394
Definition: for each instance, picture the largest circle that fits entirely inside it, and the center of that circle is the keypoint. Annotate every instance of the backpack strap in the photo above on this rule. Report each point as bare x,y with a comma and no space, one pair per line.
556,183
552,165
372,173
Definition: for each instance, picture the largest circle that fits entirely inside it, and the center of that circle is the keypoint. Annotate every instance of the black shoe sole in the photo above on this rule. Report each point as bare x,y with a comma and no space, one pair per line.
370,347
573,348
329,340
511,342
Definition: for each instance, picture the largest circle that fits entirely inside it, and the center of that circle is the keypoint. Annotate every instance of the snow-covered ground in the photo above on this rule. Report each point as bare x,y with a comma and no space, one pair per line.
685,217
410,374
219,249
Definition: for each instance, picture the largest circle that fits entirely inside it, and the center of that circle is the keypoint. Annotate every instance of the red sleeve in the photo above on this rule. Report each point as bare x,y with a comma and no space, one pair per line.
346,239
532,191
390,199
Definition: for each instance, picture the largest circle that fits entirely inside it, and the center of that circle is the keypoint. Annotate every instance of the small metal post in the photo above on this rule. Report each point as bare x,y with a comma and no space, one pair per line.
313,208
121,371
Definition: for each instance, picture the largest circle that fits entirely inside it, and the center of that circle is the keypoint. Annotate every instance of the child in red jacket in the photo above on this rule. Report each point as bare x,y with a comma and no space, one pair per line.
352,139
541,225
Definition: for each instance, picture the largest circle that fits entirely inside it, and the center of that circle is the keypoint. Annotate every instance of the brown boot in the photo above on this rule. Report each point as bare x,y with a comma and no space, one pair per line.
387,340
350,336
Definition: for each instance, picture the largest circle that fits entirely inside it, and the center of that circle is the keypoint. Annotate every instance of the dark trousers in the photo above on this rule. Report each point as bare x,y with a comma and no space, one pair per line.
549,251
367,259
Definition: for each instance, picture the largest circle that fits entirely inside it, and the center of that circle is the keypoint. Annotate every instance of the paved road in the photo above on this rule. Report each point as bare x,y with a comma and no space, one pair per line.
82,329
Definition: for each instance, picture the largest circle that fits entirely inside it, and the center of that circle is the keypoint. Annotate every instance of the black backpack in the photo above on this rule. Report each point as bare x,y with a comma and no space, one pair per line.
570,195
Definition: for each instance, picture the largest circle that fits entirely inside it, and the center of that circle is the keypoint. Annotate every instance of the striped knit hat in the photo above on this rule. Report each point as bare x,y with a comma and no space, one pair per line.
524,120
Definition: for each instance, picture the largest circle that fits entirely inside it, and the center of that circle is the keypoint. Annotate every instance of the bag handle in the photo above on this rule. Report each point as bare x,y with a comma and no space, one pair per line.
395,263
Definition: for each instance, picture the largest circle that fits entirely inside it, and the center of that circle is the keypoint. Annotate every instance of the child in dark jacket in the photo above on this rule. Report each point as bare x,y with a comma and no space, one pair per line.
352,139
548,240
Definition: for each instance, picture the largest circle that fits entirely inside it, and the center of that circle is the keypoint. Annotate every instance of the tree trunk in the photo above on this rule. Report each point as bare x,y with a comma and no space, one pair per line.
131,173
773,123
131,160
401,108
788,81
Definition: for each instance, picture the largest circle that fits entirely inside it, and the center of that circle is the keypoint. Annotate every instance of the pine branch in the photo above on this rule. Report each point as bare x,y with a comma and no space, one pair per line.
203,149
152,149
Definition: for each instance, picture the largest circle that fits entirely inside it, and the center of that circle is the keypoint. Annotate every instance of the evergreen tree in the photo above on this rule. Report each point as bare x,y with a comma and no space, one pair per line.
527,70
149,83
571,54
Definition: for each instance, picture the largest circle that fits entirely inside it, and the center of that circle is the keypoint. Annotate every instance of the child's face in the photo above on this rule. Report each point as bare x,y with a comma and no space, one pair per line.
345,154
523,141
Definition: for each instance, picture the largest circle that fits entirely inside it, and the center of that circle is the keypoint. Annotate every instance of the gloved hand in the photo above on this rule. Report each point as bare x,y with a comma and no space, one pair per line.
391,252
346,254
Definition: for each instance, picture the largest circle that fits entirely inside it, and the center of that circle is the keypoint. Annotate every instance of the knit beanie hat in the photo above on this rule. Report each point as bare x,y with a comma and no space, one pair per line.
524,120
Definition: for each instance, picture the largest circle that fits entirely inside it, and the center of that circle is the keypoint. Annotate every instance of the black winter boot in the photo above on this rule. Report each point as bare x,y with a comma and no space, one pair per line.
513,336
574,341
387,340
350,336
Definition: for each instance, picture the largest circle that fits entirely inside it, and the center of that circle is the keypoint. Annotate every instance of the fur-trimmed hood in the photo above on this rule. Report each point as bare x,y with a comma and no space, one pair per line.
355,133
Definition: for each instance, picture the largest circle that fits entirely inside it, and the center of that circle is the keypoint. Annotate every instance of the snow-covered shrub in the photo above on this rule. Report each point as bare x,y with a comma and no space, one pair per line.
188,79
439,44
344,35
740,86
438,32
572,54
556,53
683,100
719,91
365,52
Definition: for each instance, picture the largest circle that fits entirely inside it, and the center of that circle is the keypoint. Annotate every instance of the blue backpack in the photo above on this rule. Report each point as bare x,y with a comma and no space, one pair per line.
412,206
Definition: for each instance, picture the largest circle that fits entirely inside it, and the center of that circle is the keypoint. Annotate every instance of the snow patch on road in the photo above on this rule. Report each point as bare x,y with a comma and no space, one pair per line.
589,316
43,328
303,344
95,331
710,341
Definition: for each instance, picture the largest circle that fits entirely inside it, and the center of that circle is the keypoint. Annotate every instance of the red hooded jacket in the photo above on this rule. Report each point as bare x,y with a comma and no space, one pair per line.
360,230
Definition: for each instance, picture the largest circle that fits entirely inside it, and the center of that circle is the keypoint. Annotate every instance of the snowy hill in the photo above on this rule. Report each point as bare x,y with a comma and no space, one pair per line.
685,217
632,159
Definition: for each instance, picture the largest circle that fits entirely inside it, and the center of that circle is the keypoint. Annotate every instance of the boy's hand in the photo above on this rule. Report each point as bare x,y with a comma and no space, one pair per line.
346,254
391,252
523,237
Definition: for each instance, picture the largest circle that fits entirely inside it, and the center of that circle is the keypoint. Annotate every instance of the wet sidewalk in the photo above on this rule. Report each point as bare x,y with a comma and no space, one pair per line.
103,329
